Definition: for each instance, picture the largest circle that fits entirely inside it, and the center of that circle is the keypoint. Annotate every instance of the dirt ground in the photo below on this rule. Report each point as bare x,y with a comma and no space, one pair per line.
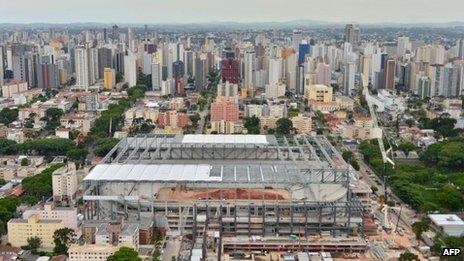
179,194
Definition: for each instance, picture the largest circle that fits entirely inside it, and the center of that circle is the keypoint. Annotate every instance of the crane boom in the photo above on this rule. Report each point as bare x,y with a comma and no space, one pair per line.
379,135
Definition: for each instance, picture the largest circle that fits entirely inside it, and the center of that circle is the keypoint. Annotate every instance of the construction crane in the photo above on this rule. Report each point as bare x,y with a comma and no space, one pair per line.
377,130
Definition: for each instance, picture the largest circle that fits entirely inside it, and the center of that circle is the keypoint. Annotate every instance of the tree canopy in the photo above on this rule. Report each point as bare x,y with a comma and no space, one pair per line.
284,126
63,238
252,124
125,254
8,115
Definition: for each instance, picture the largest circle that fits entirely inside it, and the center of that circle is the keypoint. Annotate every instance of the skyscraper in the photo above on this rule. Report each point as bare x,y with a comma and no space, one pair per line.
324,74
81,54
403,46
230,70
352,35
105,60
424,87
450,81
178,69
297,37
130,69
390,69
275,70
200,72
109,78
248,68
348,77
460,46
2,67
156,75
303,50
47,76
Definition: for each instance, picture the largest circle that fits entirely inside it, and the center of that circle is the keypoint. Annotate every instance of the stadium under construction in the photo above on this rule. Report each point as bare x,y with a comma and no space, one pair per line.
229,193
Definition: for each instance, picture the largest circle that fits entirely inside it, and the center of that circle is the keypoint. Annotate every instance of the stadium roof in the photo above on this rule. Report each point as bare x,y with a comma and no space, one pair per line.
225,139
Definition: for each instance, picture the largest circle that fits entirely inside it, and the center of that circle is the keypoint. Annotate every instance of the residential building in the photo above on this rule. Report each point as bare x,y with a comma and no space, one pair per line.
130,69
19,230
64,181
50,212
230,70
90,252
302,124
13,88
109,78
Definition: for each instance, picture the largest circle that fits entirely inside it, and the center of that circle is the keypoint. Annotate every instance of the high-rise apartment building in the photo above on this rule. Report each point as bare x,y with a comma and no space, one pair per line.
230,70
130,69
249,67
156,75
109,78
390,72
352,34
105,60
81,54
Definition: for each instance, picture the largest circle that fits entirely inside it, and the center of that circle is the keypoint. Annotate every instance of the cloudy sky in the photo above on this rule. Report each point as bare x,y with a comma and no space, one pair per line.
168,11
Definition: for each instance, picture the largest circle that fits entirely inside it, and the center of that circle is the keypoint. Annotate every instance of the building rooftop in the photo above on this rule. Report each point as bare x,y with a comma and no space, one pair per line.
446,219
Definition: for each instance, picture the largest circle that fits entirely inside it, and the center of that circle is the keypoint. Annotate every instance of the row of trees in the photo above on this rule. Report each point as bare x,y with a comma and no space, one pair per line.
45,147
284,126
432,185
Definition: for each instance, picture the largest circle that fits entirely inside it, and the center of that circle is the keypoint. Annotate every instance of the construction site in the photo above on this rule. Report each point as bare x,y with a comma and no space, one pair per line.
230,195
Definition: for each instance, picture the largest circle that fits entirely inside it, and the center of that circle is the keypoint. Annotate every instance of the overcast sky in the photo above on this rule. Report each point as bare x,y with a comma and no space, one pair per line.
168,11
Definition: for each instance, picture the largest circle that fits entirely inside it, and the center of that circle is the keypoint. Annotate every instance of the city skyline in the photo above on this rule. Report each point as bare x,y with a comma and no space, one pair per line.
202,11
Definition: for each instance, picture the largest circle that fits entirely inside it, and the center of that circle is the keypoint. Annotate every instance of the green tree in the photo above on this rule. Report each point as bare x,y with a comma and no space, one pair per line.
284,126
420,227
125,254
194,119
24,162
8,115
77,155
450,197
454,242
252,124
104,145
408,256
293,113
52,118
156,254
63,238
33,243
8,147
46,147
40,186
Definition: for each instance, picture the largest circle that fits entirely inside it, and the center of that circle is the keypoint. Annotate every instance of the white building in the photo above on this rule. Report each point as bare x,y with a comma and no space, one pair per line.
275,90
348,77
275,70
90,252
130,69
249,68
449,224
64,181
156,75
81,58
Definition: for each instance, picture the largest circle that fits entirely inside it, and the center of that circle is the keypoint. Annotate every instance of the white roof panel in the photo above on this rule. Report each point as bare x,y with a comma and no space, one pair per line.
162,172
227,139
